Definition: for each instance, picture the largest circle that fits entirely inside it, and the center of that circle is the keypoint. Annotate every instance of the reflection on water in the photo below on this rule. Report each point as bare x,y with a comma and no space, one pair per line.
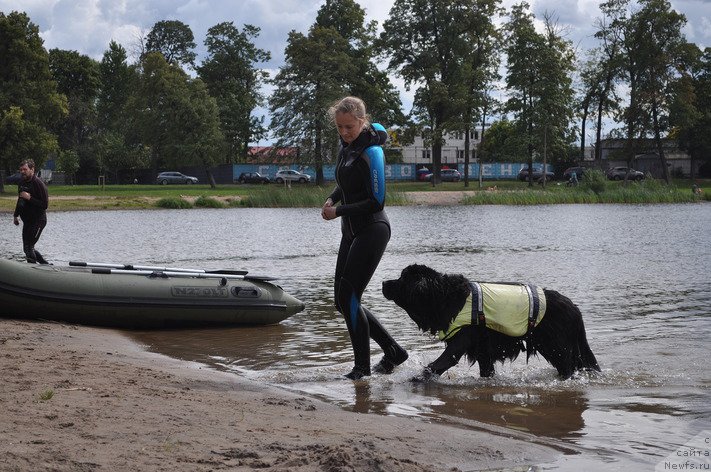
640,275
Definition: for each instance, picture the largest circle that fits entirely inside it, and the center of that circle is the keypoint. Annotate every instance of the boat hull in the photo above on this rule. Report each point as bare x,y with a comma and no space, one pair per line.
78,295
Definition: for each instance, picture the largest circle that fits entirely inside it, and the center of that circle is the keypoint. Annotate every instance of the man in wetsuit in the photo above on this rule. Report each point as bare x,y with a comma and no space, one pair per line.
32,202
365,230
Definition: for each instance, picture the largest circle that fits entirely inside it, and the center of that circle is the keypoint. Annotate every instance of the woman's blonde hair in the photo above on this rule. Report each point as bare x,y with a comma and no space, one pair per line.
353,105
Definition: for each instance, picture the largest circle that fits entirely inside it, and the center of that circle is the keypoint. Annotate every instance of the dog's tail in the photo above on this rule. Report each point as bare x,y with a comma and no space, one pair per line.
586,359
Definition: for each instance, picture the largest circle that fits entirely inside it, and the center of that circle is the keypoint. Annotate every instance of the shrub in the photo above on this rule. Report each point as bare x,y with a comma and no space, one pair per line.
208,202
175,203
594,180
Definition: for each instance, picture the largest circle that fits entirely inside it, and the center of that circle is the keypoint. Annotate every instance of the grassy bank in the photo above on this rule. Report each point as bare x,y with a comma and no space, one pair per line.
589,191
117,197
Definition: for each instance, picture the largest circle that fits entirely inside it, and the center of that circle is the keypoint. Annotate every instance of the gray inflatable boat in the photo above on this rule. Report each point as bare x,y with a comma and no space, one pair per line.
127,296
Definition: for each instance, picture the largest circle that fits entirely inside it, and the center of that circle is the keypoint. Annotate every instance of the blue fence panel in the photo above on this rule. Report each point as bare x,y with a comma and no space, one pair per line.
397,172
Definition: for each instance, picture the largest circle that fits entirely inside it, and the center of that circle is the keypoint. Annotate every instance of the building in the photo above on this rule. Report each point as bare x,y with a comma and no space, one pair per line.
646,158
452,150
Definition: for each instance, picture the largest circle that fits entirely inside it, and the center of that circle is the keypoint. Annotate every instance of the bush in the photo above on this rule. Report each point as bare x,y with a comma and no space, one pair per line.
208,202
594,180
174,203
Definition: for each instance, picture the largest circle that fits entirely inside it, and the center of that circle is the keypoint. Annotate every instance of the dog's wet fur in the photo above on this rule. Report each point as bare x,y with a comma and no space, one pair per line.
433,300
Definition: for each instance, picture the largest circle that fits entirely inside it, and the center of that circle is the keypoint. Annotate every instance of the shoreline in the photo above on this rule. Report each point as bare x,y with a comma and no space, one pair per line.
83,398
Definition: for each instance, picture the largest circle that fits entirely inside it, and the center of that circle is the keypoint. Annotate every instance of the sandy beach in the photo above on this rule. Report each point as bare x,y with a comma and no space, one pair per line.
84,399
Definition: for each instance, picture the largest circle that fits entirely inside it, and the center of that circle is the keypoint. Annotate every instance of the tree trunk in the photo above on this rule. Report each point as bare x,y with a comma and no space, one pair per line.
210,178
481,146
466,152
658,143
318,151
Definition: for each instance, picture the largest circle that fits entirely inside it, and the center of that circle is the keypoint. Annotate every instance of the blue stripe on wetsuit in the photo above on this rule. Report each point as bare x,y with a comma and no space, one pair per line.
355,308
376,159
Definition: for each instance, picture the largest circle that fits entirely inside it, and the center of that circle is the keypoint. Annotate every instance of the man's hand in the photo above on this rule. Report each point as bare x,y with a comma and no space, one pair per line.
328,212
25,195
16,220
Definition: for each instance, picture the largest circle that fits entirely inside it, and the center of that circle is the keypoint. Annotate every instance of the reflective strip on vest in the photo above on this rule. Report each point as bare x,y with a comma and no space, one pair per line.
507,309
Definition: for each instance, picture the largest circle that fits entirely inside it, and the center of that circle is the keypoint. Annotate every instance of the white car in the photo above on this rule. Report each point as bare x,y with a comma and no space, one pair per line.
291,176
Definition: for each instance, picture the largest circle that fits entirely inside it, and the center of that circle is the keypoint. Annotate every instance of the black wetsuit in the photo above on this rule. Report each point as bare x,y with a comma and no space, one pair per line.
365,234
34,216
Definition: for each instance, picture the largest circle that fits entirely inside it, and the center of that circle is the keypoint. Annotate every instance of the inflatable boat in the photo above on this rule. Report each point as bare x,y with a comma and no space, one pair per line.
128,296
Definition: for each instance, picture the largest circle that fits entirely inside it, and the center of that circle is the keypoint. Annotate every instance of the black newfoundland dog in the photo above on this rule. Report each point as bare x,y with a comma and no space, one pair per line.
552,325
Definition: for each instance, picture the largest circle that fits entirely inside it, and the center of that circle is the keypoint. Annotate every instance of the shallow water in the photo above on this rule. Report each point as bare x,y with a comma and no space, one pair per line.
641,275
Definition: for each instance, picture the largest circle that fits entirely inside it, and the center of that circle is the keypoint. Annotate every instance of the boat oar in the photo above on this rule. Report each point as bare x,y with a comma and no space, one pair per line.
105,265
168,273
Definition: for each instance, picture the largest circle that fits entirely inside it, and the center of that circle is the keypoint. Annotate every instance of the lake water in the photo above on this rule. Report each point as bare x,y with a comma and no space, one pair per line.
641,276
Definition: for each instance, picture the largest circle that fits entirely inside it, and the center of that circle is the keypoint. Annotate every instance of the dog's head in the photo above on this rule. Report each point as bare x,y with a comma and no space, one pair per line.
430,298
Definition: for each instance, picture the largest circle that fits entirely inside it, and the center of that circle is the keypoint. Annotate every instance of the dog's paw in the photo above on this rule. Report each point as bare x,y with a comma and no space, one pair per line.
425,376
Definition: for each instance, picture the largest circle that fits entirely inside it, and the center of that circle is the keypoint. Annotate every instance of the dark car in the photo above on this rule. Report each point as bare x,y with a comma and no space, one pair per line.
165,178
252,178
618,173
447,175
537,174
568,173
423,173
14,178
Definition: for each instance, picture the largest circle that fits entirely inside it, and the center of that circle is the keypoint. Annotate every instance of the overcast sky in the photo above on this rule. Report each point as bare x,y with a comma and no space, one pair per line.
87,26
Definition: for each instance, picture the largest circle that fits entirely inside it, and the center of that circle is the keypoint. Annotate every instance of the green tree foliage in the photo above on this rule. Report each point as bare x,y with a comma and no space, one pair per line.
661,44
424,41
30,105
690,108
174,116
231,74
68,162
479,69
539,84
77,77
333,60
504,143
118,80
174,40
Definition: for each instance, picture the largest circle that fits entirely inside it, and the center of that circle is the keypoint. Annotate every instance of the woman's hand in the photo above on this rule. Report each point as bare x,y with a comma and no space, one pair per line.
328,212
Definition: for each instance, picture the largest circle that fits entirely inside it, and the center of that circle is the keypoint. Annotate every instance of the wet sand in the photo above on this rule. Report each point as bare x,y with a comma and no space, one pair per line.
81,398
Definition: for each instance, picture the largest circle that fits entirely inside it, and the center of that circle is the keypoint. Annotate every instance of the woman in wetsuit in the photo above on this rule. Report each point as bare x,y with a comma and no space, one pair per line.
365,229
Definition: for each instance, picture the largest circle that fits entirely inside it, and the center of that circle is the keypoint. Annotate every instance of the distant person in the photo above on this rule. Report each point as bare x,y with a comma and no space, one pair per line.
365,231
573,179
696,189
32,202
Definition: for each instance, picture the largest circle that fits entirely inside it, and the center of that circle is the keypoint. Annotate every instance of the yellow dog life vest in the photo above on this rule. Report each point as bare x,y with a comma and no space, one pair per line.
506,307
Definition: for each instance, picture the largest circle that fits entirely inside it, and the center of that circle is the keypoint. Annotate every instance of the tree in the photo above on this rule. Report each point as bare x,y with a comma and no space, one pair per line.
333,60
77,77
661,45
690,107
315,74
174,116
30,105
233,79
503,143
539,84
479,70
117,82
174,39
425,42
601,83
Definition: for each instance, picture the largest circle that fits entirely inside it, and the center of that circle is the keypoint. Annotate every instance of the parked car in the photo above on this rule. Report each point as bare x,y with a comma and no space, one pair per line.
423,173
14,178
537,174
618,173
568,173
165,178
291,176
253,178
447,175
